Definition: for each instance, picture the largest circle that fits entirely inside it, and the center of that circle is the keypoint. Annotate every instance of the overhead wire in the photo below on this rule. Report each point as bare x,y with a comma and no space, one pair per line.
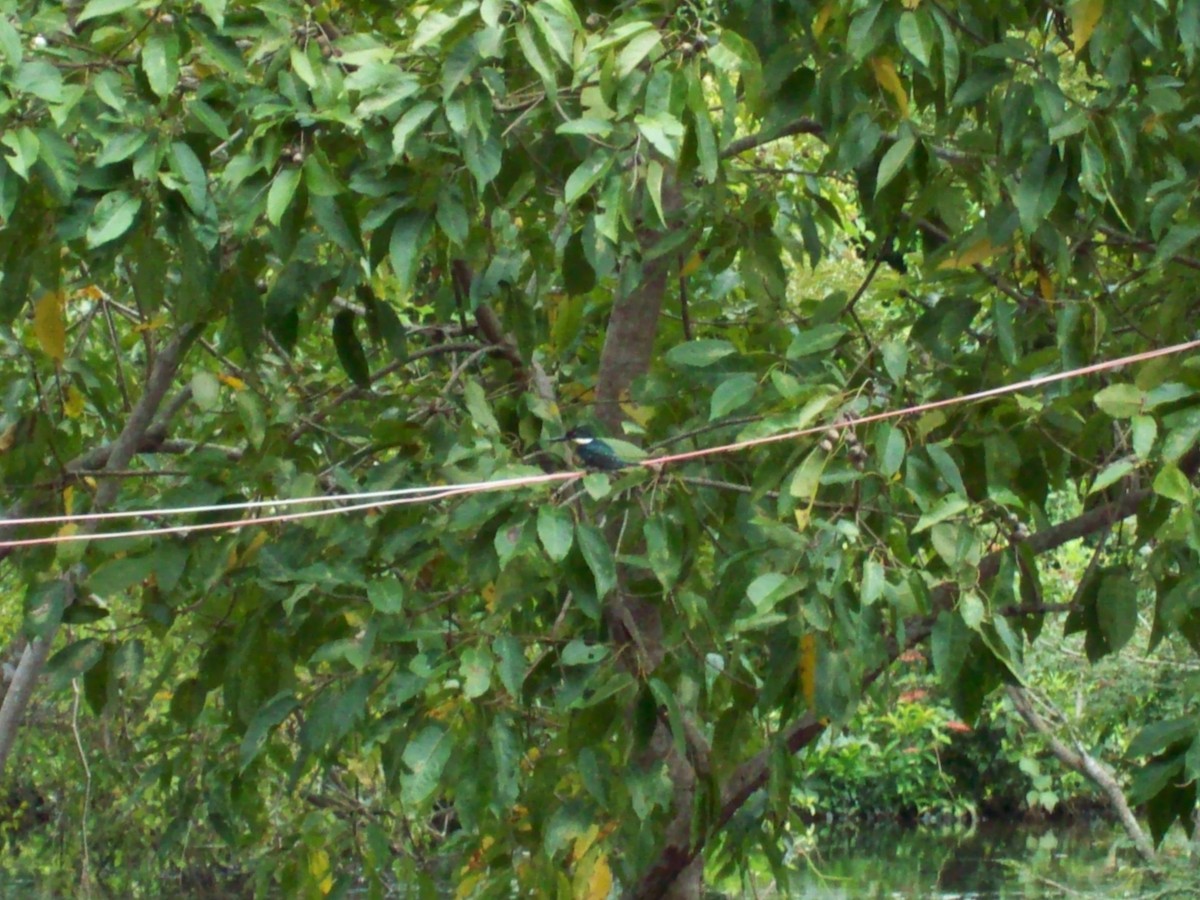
430,493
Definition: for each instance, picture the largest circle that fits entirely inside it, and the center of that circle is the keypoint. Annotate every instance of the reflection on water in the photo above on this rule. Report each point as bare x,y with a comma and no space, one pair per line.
990,861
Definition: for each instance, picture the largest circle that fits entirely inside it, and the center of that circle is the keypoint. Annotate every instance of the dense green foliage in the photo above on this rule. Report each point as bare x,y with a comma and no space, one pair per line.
278,249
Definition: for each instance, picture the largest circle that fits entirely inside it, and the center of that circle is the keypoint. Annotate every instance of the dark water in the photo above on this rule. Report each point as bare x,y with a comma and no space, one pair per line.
989,861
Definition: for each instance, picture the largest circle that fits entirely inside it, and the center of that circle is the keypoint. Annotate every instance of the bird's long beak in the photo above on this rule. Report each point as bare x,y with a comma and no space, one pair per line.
558,440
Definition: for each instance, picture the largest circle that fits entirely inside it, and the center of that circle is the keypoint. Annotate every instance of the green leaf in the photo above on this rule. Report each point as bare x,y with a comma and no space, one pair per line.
41,79
1120,401
1116,608
73,661
113,216
895,360
699,353
1173,484
1037,192
555,28
915,32
584,125
425,756
409,235
586,174
578,275
479,408
1154,739
732,393
556,531
663,131
160,62
1143,433
349,349
815,340
94,9
281,192
893,161
663,552
577,653
1111,474
947,508
638,48
206,391
476,670
386,595
116,576
1177,239
511,663
118,148
666,698
536,59
451,215
436,24
187,166
873,582
188,701
807,477
268,717
412,119
484,157
766,591
598,556
891,458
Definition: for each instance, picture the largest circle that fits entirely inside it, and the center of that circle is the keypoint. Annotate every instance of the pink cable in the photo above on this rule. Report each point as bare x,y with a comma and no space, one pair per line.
423,494
925,407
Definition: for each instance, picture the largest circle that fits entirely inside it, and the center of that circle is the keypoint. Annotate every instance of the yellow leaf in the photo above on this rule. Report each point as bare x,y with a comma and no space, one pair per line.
318,867
1085,16
231,381
467,886
584,842
69,499
971,256
889,80
489,596
808,670
153,325
594,880
822,19
73,405
49,327
692,264
910,4
1045,286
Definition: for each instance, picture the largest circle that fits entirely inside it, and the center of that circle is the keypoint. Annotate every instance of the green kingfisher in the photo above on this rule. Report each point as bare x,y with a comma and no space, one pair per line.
593,452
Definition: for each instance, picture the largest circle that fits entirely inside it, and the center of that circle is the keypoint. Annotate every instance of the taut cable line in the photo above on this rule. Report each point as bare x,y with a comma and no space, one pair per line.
431,493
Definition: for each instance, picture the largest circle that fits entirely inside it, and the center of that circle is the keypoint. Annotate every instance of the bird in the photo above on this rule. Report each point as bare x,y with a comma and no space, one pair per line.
593,452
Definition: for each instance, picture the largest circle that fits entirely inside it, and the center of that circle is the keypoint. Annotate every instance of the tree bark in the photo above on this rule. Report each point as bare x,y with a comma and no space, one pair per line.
752,774
122,450
1079,760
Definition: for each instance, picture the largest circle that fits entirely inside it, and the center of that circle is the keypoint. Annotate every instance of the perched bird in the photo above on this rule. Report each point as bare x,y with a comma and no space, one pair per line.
593,452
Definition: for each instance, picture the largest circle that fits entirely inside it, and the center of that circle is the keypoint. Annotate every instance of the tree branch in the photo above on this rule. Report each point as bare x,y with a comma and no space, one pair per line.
120,452
753,773
1079,760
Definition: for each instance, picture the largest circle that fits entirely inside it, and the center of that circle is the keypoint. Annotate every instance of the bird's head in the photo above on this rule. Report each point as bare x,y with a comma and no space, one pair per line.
578,435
